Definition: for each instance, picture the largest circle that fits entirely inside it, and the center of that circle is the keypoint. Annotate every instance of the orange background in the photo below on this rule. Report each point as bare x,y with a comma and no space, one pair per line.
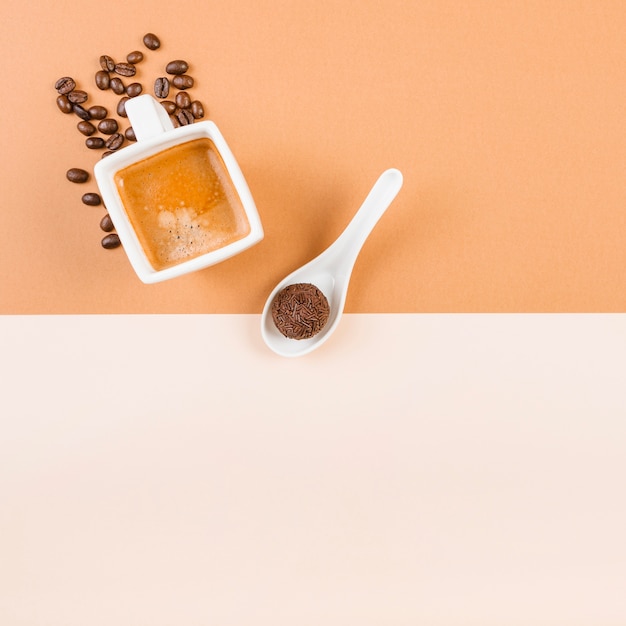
507,119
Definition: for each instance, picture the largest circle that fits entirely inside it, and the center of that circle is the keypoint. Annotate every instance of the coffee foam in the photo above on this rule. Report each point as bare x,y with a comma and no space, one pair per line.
188,234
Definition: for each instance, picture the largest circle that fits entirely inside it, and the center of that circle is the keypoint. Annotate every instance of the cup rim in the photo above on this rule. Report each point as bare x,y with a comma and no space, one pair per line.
105,170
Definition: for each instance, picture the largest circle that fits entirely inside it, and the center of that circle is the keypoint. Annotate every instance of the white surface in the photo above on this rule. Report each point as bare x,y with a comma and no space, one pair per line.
416,469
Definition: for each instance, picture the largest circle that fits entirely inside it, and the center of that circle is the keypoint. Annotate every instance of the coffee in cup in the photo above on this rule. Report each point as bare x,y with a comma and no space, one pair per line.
177,197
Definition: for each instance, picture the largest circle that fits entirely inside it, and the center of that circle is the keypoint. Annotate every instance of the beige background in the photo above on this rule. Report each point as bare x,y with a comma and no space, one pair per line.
506,118
417,469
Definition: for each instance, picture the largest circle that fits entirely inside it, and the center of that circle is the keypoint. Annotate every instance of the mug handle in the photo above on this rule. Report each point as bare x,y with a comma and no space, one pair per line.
147,117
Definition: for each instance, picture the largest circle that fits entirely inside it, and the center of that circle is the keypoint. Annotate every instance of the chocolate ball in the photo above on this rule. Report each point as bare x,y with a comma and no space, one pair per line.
300,311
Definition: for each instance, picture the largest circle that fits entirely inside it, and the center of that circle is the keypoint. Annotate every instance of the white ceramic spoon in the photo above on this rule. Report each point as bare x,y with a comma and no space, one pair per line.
330,271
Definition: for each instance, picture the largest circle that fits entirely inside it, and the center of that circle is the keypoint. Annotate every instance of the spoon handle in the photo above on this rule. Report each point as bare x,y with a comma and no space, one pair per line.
351,240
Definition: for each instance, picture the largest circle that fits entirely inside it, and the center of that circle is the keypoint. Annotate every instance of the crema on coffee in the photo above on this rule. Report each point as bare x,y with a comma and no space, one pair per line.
182,203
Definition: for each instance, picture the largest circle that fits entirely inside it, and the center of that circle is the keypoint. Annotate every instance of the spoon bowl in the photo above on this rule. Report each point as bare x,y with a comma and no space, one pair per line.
330,271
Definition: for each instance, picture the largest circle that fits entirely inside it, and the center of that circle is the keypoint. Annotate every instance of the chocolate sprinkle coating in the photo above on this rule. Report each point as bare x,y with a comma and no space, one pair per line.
300,311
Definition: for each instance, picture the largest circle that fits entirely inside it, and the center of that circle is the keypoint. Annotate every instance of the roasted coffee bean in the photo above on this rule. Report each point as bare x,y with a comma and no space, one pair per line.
134,57
81,112
110,241
86,128
65,106
121,106
77,175
162,87
94,143
106,224
169,106
177,67
151,41
117,86
197,110
114,142
106,154
65,85
184,116
91,199
175,122
182,100
97,112
125,69
129,133
134,89
77,96
108,126
107,63
103,80
184,81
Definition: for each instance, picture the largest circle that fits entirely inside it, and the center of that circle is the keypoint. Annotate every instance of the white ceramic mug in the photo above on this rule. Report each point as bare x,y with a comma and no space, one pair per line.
155,133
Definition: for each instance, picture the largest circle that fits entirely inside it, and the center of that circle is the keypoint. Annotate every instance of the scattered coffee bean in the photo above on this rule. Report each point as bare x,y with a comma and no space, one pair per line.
177,67
81,112
111,241
169,106
107,63
108,126
78,96
94,143
151,41
86,128
103,80
106,224
97,112
117,86
197,110
65,106
65,85
182,100
91,199
134,89
184,81
184,116
114,142
125,69
121,106
77,175
182,111
161,87
134,57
